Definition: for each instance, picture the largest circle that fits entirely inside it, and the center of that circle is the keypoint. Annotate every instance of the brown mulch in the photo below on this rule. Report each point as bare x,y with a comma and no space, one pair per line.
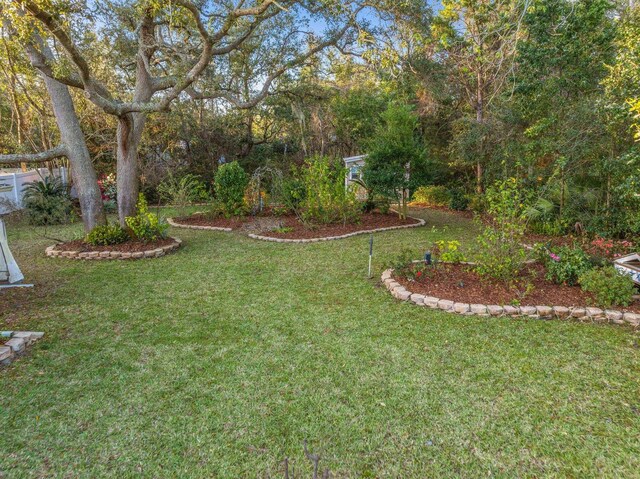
368,221
128,247
459,283
200,219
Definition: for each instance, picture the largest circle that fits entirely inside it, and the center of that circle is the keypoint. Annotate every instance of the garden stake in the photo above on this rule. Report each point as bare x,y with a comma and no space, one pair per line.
370,254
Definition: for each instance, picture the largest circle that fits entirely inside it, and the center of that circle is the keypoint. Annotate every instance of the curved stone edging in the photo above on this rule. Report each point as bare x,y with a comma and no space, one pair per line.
109,255
540,312
421,222
196,227
17,344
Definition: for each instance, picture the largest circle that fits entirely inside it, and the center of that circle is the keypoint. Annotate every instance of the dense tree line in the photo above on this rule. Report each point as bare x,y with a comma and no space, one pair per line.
547,91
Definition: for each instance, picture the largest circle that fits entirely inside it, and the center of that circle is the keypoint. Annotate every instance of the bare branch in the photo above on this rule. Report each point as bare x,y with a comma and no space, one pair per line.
17,158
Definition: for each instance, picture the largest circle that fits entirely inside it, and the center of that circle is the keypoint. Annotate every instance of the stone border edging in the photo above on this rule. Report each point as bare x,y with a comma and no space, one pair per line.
540,312
196,227
421,222
109,255
17,344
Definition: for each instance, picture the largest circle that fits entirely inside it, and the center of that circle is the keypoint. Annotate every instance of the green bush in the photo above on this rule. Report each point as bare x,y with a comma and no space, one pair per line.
146,226
183,191
230,184
459,201
565,264
609,286
431,196
326,200
502,255
105,235
47,202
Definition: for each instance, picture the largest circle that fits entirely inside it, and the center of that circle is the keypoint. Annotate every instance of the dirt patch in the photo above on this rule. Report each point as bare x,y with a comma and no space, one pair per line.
459,283
292,228
128,247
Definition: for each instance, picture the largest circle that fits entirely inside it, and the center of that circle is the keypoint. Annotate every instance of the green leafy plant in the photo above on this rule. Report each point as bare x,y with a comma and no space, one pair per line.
448,251
105,235
459,201
183,191
565,264
501,254
47,202
404,266
609,286
431,196
230,184
326,200
146,226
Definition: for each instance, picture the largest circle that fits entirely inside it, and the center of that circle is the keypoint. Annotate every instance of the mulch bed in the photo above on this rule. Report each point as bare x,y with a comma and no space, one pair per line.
200,219
129,247
459,283
368,221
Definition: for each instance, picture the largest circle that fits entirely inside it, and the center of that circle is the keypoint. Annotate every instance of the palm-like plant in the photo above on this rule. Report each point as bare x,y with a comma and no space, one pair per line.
47,201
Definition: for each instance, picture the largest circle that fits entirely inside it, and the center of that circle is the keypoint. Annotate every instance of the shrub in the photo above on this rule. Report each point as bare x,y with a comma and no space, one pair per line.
431,196
109,192
448,251
230,184
326,200
501,253
105,235
47,202
146,226
183,191
564,265
404,267
459,201
609,286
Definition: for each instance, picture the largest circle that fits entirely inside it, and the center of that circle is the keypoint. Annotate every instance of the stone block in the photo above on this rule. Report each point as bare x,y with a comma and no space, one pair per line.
632,318
431,301
561,312
544,311
5,352
461,308
528,310
495,310
614,316
478,309
578,313
16,344
417,298
511,310
445,304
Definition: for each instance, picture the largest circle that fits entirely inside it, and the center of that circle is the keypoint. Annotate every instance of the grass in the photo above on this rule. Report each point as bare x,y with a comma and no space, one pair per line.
221,359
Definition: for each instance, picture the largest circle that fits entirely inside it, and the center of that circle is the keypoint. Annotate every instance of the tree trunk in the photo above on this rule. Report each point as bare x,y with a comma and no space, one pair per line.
82,170
479,169
480,120
130,129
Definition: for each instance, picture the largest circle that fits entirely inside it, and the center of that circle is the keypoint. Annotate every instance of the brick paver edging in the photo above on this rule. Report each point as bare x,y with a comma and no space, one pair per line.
16,344
52,252
420,222
173,223
540,312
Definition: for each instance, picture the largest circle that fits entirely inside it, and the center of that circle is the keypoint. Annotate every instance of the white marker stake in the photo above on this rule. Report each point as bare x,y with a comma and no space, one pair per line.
370,254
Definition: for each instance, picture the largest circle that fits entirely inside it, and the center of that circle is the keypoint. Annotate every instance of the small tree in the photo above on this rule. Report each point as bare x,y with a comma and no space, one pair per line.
396,156
230,184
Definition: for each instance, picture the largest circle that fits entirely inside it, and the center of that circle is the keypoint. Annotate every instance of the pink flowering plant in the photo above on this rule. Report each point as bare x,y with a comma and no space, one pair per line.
108,189
565,264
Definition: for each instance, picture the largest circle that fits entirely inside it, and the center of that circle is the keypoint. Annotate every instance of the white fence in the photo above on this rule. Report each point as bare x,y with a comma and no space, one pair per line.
12,184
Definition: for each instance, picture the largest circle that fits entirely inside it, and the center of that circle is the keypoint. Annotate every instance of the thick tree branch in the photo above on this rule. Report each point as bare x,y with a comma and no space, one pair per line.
17,158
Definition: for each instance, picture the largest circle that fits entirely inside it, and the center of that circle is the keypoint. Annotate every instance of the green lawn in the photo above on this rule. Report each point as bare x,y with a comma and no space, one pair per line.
219,360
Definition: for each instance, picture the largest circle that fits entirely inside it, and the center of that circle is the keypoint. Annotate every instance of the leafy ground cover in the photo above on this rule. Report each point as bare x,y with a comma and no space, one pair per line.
221,359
